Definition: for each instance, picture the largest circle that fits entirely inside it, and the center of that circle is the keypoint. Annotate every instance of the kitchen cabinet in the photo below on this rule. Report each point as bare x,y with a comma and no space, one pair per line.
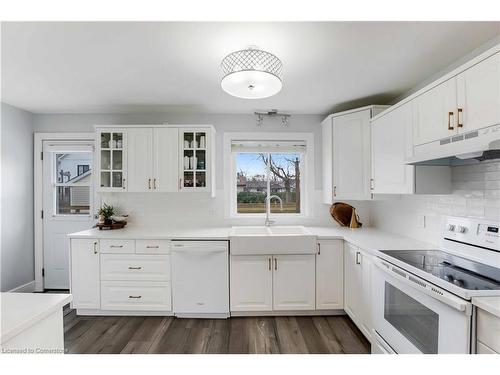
487,332
330,275
357,289
272,283
140,159
478,95
251,283
112,159
85,274
346,154
166,159
293,282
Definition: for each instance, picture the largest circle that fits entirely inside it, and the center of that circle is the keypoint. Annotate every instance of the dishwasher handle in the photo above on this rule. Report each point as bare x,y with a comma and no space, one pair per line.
198,250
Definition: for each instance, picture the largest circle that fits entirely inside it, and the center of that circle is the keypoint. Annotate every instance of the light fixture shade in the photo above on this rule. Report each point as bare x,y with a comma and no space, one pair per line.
251,74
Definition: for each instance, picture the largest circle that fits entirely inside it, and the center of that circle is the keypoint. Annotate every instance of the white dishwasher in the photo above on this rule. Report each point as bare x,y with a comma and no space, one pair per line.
200,279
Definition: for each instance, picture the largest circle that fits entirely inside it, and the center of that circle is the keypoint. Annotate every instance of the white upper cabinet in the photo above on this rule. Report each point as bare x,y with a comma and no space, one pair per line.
166,156
392,143
346,154
140,159
112,159
478,95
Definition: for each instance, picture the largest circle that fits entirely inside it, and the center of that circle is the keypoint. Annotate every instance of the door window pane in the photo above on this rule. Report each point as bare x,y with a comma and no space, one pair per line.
72,200
416,322
73,167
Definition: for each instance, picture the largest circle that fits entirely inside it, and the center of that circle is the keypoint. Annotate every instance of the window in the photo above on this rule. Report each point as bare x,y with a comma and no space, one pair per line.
268,169
72,183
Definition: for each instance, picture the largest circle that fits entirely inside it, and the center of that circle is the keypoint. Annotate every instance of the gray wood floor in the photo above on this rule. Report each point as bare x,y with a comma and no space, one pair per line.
290,335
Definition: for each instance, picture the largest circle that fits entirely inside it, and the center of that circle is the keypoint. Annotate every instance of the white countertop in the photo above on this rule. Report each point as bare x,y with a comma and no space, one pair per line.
489,304
21,310
369,239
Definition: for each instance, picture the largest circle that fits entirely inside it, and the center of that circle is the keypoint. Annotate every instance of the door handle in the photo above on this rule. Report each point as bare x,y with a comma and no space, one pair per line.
450,127
275,264
95,247
460,124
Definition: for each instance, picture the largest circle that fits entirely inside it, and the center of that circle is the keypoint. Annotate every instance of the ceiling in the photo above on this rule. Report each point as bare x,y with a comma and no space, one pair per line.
107,67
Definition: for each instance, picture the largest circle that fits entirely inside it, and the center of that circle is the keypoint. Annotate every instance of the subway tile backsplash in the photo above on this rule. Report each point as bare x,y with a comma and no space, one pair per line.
476,193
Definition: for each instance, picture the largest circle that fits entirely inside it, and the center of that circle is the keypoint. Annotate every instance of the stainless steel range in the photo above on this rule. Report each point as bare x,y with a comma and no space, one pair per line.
422,298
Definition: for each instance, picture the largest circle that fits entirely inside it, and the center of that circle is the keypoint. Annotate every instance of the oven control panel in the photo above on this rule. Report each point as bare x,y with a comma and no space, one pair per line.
475,232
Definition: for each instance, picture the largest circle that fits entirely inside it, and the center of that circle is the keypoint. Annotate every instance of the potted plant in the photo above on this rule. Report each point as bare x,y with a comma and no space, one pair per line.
105,213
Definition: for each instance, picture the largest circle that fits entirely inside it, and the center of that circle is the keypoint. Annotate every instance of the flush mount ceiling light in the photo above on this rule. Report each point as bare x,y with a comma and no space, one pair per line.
251,74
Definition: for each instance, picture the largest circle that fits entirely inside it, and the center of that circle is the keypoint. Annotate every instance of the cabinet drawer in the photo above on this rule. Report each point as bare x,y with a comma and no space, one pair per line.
152,246
488,329
117,246
135,267
127,295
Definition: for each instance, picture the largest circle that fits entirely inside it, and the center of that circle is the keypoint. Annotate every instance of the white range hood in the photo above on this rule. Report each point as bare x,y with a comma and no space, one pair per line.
465,148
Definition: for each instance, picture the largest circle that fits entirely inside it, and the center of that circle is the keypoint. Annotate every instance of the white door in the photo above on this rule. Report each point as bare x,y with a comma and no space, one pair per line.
85,277
330,275
166,159
251,283
434,113
352,283
478,94
140,159
351,156
294,282
67,204
392,143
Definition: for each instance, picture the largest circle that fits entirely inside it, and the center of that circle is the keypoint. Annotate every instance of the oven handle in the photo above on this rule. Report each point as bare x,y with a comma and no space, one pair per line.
424,286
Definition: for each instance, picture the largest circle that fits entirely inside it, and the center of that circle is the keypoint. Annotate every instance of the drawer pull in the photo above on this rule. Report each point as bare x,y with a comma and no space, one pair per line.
153,247
117,246
136,297
135,268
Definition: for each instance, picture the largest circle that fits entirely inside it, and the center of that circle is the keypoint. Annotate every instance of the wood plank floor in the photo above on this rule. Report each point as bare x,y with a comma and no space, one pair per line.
167,335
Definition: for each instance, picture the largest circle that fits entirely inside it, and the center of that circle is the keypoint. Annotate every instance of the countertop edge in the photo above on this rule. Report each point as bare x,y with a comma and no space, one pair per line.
484,303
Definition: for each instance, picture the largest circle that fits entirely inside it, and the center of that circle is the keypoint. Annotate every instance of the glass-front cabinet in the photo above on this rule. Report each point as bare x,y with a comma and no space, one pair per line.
112,159
195,159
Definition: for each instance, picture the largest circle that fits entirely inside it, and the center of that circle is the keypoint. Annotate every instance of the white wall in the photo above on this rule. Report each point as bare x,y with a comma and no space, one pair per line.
476,193
17,256
198,209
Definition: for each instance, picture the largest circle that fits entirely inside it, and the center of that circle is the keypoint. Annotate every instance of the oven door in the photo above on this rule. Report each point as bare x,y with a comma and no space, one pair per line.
414,316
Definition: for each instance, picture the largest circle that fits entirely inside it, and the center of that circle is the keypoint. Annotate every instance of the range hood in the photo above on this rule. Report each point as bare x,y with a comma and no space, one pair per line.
467,148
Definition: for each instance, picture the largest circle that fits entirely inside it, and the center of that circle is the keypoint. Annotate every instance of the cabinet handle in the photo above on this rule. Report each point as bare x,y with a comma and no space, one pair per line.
152,247
123,183
154,183
180,183
319,249
134,296
450,127
335,191
275,264
116,246
372,184
149,183
269,262
135,268
358,257
460,124
95,247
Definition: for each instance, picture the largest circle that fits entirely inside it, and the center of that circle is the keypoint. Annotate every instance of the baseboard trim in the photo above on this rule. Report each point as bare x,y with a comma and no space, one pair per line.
288,313
97,312
25,288
202,316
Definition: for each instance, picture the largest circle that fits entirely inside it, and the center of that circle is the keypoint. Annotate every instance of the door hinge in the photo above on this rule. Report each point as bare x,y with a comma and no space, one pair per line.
41,214
43,272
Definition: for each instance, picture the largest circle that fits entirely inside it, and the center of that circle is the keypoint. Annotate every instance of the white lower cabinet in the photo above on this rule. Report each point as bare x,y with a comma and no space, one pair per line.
133,295
267,282
357,295
251,283
330,275
487,333
293,282
85,276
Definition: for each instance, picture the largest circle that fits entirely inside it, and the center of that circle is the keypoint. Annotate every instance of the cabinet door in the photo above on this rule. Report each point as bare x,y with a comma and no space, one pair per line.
352,282
391,144
293,282
365,311
195,163
166,159
251,283
140,159
330,275
431,113
351,156
112,159
85,278
327,159
478,94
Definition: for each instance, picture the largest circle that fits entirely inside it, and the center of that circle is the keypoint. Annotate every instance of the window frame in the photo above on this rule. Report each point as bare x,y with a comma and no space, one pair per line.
306,170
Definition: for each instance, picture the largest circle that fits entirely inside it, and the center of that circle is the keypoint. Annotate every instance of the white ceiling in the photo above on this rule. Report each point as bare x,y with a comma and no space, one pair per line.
174,67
